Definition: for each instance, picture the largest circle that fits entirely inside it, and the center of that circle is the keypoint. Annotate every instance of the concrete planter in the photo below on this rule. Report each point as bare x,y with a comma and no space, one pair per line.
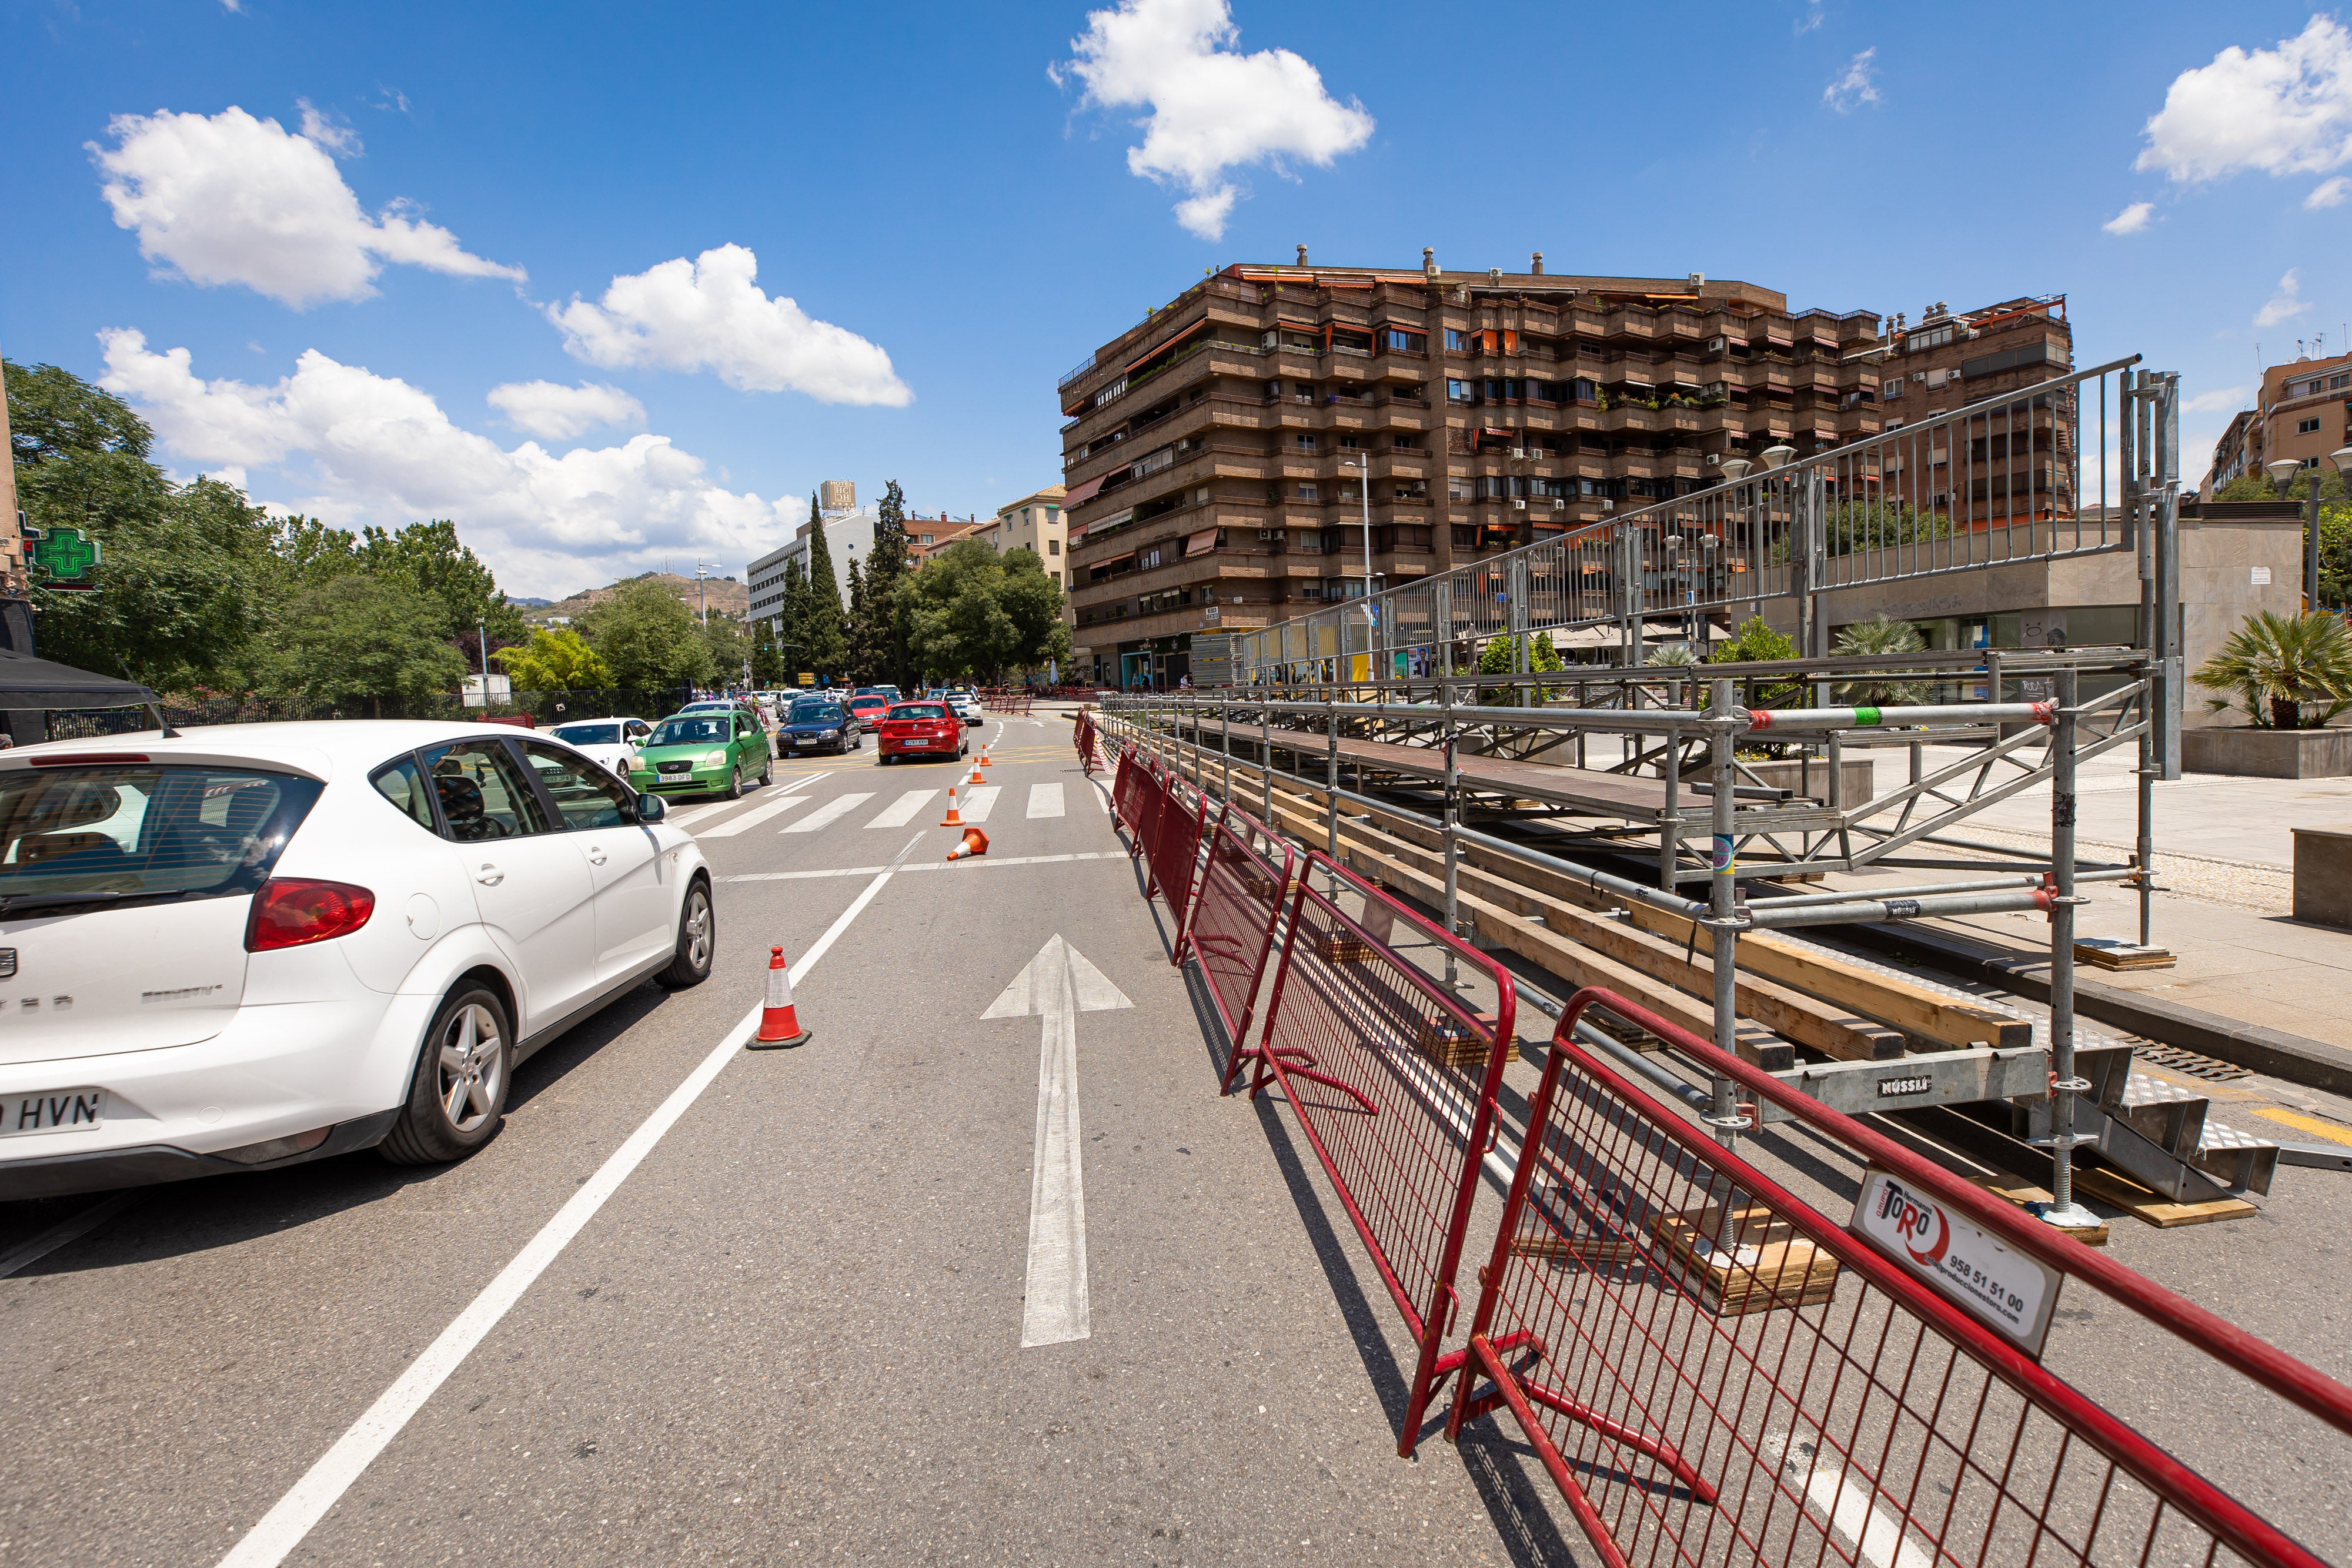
1787,774
2323,876
2268,753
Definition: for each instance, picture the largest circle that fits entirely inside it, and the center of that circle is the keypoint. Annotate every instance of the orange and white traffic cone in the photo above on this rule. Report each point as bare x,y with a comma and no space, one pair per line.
976,777
780,1026
975,842
954,819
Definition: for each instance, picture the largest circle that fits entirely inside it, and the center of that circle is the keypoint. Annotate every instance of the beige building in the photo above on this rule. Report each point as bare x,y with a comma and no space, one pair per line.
2305,414
1034,522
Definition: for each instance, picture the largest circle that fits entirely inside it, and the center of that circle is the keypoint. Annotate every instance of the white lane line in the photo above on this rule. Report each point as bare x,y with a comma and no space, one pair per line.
760,814
68,1229
283,1528
833,810
979,802
928,865
1044,799
901,812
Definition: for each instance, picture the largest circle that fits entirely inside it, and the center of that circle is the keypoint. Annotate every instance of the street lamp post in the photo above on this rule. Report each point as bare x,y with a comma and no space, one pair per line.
1735,469
1362,464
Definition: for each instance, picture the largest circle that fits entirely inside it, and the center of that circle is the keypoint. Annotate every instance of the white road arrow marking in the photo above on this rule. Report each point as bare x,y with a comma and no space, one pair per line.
1056,986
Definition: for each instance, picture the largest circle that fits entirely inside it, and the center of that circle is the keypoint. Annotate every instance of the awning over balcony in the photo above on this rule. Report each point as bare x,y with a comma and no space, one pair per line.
1201,543
1083,494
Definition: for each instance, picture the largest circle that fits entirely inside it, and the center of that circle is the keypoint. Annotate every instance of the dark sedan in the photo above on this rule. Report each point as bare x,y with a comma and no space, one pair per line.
819,724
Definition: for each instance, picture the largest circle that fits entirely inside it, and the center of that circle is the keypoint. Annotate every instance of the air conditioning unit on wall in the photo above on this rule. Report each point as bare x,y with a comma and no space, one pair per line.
1518,502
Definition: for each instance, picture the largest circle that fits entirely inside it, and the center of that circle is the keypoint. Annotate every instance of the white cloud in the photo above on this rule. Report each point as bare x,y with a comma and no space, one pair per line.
2287,304
1212,106
559,413
2230,398
1812,19
2287,110
2327,193
1859,85
2131,220
330,134
709,314
355,448
231,199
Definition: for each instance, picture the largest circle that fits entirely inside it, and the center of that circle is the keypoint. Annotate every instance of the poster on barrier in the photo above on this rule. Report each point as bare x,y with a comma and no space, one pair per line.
1960,1259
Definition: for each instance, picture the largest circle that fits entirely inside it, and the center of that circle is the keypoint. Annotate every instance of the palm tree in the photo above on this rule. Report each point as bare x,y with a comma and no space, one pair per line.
2286,663
1880,636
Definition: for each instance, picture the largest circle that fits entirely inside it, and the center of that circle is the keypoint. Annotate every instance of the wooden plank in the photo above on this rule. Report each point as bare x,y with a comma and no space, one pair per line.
1794,1016
1912,1007
2146,1204
2021,1192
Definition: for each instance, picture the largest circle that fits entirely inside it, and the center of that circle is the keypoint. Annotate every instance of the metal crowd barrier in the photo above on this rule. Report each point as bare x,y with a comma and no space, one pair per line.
1393,1079
1714,1371
1234,918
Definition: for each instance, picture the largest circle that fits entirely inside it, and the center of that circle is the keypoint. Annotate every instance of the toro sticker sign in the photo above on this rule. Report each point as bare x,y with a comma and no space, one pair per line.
2013,1293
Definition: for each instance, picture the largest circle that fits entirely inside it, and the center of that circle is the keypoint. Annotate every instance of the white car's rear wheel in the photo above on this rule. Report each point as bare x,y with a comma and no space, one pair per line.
459,1091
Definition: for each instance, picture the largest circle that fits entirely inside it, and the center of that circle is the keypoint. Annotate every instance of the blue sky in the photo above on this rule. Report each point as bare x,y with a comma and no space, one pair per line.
421,204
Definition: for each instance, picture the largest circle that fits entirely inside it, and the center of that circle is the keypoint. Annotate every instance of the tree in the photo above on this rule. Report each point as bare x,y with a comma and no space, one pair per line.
647,638
430,556
186,582
953,616
1880,636
2279,664
858,671
364,638
768,670
1756,643
878,639
1496,659
557,659
722,632
824,625
1033,599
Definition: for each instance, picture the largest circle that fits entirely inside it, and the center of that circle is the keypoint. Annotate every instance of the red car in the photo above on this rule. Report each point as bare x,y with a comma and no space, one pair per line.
919,730
869,710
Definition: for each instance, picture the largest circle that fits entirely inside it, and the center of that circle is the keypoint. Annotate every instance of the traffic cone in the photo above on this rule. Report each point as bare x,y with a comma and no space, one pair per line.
975,842
780,1026
976,777
954,818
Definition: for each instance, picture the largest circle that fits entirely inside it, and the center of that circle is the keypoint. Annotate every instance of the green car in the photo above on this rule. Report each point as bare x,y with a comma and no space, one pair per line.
700,753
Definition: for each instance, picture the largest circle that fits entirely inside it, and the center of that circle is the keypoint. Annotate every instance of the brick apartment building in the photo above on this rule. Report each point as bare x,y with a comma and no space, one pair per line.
2303,414
1215,453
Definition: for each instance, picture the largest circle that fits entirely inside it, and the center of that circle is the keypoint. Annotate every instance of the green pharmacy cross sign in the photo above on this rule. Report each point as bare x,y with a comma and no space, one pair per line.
65,555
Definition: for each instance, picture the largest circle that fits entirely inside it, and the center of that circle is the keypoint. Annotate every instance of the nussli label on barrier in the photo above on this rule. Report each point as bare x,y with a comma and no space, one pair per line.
2014,1293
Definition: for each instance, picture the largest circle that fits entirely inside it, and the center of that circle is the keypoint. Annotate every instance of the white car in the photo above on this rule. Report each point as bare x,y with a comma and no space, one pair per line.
249,946
611,741
967,708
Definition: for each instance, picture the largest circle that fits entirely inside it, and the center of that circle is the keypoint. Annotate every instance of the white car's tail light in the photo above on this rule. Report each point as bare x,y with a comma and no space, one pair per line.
291,910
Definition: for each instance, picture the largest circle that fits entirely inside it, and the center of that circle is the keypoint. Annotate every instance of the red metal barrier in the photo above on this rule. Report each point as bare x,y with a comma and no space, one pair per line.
1233,916
1175,855
1126,785
1713,1371
1393,1079
1151,799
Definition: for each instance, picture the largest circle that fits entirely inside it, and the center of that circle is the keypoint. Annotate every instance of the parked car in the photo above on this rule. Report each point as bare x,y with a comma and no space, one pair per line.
611,741
249,946
813,723
919,730
699,753
871,709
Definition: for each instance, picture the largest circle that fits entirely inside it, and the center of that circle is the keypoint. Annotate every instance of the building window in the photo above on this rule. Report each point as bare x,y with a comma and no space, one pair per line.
1458,342
1053,546
1052,513
1305,440
1349,443
1307,490
2337,383
2307,426
1890,392
1406,442
927,538
1411,342
1457,392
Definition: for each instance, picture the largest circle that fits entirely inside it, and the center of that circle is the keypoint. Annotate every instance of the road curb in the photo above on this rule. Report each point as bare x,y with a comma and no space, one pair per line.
2273,1052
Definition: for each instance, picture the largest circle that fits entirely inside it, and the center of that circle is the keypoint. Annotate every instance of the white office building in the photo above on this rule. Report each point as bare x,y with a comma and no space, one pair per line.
848,537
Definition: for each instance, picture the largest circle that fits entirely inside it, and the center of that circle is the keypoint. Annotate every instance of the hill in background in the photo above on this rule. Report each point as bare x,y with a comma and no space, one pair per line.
722,594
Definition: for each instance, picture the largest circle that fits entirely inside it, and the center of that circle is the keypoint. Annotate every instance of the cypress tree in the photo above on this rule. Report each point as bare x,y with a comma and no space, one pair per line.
860,673
885,567
823,623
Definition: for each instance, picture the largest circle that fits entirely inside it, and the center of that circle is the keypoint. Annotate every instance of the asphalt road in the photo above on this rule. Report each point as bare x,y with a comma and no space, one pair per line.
794,1330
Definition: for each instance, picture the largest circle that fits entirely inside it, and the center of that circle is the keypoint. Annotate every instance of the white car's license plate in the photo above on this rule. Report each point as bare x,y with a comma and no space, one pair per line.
60,1109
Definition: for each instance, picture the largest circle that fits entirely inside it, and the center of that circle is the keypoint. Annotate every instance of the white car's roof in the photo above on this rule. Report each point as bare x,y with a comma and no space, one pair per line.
316,748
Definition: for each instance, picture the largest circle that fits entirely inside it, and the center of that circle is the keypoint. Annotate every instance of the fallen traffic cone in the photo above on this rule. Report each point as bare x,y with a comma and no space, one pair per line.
780,1026
975,842
954,819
